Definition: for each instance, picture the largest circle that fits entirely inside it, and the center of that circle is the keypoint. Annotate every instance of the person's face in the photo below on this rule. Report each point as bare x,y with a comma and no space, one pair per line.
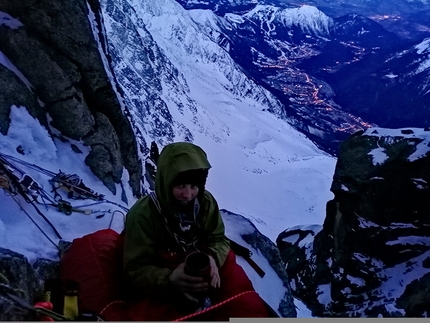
185,193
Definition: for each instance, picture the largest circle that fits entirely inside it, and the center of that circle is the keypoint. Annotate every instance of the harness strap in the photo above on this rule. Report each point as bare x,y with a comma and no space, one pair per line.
158,206
156,202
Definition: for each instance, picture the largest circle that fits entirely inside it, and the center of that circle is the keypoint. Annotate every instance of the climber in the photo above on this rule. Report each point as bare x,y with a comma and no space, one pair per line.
162,228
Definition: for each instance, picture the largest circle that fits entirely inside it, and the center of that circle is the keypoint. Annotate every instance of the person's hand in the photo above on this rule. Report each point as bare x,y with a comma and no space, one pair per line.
188,285
215,279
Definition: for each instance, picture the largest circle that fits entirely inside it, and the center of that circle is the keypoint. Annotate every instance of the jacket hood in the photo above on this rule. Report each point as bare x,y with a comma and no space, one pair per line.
174,159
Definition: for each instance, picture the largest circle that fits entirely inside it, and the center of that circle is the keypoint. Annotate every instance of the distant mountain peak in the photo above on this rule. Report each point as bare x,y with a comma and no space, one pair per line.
308,18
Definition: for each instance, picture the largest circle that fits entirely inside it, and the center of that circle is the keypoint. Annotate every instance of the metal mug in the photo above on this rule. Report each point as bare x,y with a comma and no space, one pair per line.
198,264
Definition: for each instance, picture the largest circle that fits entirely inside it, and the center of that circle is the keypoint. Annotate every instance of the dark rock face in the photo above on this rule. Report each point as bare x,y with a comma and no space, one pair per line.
105,156
27,280
15,92
268,249
371,257
52,45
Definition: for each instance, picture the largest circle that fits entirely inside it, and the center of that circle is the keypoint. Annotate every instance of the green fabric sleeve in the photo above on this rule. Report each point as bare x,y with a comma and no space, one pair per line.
145,231
140,233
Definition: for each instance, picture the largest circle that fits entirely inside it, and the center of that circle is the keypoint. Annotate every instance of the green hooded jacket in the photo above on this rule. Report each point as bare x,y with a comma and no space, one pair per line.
146,235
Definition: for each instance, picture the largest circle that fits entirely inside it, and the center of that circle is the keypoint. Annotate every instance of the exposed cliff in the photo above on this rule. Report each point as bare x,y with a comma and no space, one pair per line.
372,255
60,76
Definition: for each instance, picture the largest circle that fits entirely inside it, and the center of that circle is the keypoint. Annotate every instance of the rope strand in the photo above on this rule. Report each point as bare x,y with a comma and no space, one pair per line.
34,222
54,177
212,307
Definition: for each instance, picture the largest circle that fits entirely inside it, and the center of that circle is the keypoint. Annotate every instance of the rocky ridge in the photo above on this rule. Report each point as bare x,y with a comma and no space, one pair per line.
66,84
371,257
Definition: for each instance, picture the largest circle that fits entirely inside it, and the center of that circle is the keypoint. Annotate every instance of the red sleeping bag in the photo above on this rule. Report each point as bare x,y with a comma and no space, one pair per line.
95,262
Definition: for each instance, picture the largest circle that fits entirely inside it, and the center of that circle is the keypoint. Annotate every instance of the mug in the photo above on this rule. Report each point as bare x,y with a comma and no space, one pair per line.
198,264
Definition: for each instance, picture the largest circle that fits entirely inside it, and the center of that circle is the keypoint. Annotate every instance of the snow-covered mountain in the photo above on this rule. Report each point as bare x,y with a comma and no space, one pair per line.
204,96
167,57
284,49
315,64
399,84
407,19
172,83
175,83
237,84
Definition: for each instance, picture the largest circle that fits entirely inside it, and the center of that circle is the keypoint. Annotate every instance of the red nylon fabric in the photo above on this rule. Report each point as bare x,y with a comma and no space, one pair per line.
95,262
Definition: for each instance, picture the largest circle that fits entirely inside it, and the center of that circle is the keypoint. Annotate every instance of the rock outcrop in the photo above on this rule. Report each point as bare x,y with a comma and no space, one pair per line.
371,257
251,236
26,280
55,69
